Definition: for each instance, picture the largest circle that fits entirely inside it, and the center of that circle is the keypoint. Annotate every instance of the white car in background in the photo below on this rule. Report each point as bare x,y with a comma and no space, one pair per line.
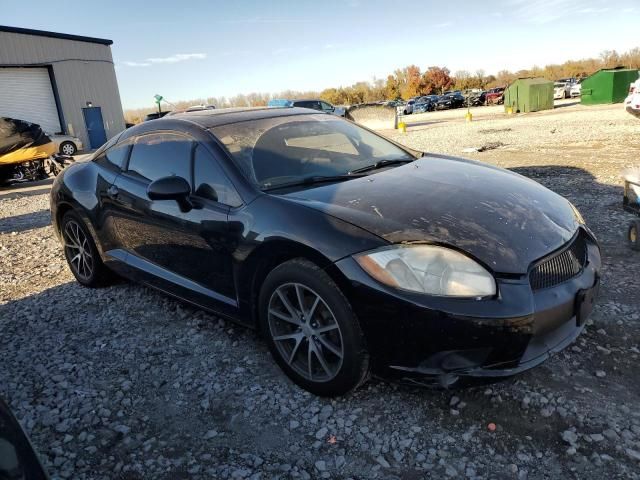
576,90
407,108
632,102
66,144
561,90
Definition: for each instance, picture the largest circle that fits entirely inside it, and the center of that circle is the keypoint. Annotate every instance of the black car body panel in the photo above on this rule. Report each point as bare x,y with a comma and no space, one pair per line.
216,256
504,220
18,459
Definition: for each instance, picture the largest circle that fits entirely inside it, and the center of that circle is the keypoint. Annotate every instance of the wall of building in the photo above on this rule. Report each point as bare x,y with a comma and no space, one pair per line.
84,72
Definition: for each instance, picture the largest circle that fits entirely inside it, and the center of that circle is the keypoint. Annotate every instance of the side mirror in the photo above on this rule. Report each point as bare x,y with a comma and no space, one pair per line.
171,188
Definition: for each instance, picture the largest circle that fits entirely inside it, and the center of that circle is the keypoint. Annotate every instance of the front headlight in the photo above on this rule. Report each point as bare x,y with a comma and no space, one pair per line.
428,269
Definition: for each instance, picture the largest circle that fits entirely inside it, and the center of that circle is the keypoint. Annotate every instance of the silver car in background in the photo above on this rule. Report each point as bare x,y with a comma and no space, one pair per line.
407,108
67,144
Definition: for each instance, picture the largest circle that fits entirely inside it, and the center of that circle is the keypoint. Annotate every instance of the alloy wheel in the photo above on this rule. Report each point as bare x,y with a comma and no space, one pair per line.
78,250
305,332
68,149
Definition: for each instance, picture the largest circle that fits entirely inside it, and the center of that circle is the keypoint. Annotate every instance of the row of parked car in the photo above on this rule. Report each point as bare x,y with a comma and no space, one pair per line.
563,88
452,99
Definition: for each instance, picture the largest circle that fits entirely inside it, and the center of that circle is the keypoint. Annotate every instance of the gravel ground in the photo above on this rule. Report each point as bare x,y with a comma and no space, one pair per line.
123,383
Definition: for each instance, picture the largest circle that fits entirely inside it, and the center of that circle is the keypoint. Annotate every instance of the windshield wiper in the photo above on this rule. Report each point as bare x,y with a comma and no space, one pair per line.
380,164
314,179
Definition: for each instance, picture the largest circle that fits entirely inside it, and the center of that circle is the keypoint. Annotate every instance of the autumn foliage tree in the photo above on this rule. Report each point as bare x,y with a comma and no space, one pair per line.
392,88
436,80
412,82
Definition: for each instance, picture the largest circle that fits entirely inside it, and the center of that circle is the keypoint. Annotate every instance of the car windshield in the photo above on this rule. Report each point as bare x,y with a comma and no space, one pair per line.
285,150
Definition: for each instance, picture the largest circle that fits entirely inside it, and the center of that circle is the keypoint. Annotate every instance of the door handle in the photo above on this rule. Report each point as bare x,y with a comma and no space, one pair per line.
112,192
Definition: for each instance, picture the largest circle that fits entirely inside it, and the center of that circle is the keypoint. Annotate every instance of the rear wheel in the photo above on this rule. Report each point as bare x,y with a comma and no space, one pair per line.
81,253
633,235
311,330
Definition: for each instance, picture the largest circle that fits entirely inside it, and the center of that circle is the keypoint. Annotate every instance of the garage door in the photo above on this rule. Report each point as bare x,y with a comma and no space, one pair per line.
26,94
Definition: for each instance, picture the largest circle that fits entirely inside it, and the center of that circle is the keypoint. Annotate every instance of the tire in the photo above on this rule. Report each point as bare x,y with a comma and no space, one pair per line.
88,269
68,148
633,235
325,361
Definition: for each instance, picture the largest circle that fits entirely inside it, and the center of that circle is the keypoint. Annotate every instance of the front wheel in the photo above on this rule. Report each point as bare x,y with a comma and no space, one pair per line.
311,330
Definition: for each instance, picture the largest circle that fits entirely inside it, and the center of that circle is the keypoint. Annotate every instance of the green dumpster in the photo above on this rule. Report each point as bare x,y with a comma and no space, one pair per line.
529,95
607,86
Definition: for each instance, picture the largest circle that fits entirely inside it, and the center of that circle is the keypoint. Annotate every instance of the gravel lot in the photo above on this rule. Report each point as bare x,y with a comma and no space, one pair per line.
124,383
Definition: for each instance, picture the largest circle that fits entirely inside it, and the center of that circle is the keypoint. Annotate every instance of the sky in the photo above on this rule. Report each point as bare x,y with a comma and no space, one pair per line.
197,49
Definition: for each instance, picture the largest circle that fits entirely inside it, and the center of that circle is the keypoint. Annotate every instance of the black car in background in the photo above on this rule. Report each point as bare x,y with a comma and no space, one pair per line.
18,459
425,104
350,253
154,116
451,100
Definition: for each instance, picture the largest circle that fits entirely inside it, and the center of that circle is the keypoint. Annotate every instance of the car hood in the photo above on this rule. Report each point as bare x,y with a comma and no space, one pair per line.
503,219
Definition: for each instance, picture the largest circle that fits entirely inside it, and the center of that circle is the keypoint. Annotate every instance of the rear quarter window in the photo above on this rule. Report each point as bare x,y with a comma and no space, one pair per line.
114,155
117,155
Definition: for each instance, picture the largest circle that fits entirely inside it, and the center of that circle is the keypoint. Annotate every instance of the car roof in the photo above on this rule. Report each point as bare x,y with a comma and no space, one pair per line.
223,116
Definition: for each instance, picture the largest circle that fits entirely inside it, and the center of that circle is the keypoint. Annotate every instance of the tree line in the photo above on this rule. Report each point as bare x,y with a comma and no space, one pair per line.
410,81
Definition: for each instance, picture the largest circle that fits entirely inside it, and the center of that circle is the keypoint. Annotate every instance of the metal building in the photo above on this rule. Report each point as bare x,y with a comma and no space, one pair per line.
65,83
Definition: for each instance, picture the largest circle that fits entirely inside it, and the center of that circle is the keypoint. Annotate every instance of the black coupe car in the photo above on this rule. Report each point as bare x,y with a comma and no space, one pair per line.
349,252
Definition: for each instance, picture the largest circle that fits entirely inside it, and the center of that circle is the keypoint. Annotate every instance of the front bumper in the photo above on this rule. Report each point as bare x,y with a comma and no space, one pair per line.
633,111
411,335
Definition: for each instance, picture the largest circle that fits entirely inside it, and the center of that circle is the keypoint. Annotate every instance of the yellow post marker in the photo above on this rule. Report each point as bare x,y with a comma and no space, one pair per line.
468,116
509,110
402,127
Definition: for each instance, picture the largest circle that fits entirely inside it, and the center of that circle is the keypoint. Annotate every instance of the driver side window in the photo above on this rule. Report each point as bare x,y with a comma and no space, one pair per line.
160,155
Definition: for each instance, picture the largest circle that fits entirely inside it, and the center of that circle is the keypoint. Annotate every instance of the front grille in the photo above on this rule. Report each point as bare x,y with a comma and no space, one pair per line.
561,267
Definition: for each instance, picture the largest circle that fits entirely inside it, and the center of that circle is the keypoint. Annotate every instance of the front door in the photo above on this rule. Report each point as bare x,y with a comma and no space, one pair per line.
95,126
183,253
